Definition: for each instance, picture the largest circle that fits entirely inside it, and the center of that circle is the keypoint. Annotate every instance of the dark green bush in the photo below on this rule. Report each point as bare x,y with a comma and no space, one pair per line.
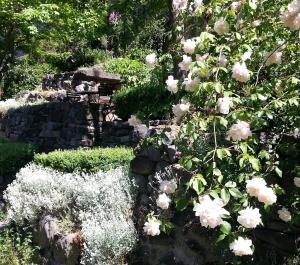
82,160
14,156
148,101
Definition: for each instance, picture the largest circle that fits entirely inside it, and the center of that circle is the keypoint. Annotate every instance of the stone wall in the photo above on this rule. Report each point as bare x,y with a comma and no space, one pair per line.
64,125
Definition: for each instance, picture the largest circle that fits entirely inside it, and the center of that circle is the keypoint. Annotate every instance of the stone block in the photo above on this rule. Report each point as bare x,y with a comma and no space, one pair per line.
142,166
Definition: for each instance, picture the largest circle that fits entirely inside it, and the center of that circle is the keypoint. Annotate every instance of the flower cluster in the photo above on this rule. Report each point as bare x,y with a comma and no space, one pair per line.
239,131
291,17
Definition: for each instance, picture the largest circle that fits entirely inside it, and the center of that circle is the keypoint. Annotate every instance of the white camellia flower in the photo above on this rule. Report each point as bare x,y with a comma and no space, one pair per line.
134,121
284,214
180,4
151,228
240,72
151,59
186,62
210,211
267,196
237,5
273,58
224,105
180,110
221,26
255,185
189,46
222,60
249,217
168,186
172,84
297,182
256,23
241,247
291,17
163,201
239,131
191,83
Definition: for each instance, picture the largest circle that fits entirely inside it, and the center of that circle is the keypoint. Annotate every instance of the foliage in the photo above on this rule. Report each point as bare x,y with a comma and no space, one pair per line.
140,99
91,160
100,203
14,156
16,249
239,108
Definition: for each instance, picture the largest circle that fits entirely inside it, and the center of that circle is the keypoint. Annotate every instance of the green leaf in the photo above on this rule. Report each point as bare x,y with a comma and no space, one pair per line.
235,193
278,172
181,204
254,163
225,195
225,228
221,237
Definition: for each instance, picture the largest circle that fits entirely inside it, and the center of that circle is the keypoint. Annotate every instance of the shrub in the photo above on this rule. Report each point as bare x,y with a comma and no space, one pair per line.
24,76
100,202
14,156
82,160
140,100
16,249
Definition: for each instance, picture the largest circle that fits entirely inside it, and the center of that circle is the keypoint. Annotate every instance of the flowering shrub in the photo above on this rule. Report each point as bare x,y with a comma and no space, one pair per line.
100,203
241,95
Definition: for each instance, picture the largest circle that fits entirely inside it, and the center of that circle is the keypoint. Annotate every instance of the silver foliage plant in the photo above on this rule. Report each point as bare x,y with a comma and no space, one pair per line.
101,203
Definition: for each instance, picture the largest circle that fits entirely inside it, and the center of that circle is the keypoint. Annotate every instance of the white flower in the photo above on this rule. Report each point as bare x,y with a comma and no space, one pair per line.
167,186
190,83
151,59
222,60
267,196
249,217
246,56
297,182
180,110
180,4
256,23
284,214
134,121
189,46
239,131
240,72
294,7
221,26
291,17
241,247
255,185
163,201
237,5
210,211
198,4
201,58
151,228
172,84
224,105
186,62
273,58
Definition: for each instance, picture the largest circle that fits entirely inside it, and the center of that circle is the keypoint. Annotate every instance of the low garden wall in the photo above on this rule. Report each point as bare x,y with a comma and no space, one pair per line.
64,125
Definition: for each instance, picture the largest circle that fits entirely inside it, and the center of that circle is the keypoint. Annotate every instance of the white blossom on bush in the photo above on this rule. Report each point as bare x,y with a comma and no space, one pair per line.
240,72
297,182
198,4
255,185
273,58
172,84
168,186
222,60
256,23
201,58
249,217
267,196
180,110
284,214
237,5
221,26
134,121
210,211
180,4
239,131
191,83
186,62
224,105
291,17
189,46
241,247
246,56
151,59
163,201
151,228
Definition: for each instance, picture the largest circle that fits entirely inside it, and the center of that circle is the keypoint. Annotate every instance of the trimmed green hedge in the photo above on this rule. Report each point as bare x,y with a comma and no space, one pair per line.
14,156
83,160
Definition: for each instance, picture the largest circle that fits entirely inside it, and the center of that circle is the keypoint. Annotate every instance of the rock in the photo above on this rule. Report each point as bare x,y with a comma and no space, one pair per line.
153,154
171,149
161,166
142,166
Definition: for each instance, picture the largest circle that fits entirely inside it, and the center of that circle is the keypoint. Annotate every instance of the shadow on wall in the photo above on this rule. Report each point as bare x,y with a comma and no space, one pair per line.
64,125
